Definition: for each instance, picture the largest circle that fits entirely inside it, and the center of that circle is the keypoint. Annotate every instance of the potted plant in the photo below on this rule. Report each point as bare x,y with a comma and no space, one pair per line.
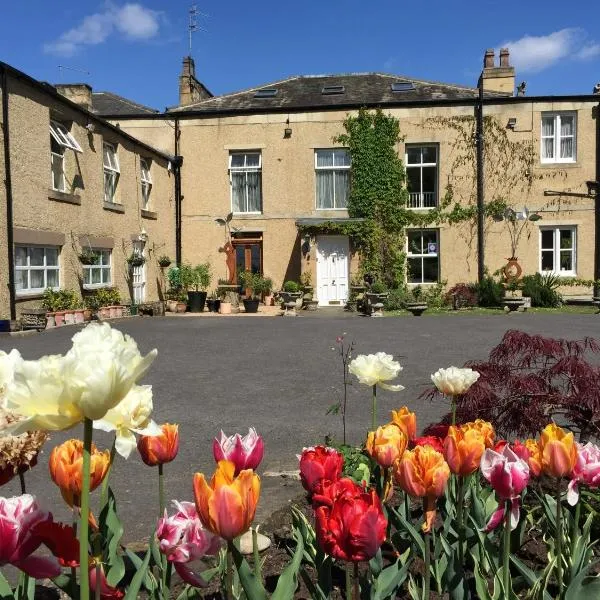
255,285
306,282
416,302
268,291
181,302
88,257
224,298
174,278
164,261
213,303
135,260
291,293
195,280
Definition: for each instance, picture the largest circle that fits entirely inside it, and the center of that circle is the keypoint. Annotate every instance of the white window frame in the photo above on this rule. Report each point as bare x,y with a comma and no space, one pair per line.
332,168
146,182
111,170
556,270
87,270
63,136
246,169
424,255
29,291
57,161
557,137
416,200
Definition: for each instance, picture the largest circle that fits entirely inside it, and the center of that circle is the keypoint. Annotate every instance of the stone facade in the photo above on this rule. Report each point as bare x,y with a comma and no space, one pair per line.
79,218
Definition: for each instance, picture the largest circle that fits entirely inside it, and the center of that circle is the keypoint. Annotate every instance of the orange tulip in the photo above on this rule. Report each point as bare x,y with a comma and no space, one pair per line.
423,472
227,506
66,468
406,421
558,449
160,449
386,444
463,448
486,429
535,457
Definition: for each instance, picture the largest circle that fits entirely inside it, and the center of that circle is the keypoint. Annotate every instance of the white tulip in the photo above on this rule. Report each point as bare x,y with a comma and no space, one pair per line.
131,415
8,363
376,369
454,381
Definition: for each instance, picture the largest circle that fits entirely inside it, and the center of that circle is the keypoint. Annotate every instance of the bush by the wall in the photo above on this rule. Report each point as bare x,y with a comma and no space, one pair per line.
542,289
489,292
462,295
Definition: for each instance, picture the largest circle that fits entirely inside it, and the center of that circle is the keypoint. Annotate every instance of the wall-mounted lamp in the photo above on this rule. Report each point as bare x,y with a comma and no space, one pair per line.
592,187
143,237
512,123
305,244
287,132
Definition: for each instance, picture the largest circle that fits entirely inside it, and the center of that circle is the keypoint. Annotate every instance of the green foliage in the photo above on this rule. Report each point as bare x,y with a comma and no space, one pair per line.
108,296
193,278
54,300
291,287
435,295
174,277
255,282
489,292
396,299
542,289
378,287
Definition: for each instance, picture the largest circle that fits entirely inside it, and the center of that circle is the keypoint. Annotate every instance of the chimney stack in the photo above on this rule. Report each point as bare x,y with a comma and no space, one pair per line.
80,93
190,89
499,79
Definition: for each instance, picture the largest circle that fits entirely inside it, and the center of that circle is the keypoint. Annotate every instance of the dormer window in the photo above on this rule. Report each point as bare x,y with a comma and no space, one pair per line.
266,93
330,90
403,86
60,139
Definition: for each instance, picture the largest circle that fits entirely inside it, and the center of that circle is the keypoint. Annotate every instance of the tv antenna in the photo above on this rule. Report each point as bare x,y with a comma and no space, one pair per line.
193,23
62,68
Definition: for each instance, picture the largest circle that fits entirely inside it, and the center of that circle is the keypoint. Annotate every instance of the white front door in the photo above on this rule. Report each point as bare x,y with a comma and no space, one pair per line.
332,269
138,275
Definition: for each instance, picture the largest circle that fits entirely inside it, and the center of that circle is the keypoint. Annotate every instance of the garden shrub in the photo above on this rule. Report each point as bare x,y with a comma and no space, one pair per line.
378,287
396,299
489,292
291,287
462,295
542,289
434,295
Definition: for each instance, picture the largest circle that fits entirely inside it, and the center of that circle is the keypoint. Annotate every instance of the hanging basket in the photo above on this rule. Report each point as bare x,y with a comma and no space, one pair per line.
87,257
136,261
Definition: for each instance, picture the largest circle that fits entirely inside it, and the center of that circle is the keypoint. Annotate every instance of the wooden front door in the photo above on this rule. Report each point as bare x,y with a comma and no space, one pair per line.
248,256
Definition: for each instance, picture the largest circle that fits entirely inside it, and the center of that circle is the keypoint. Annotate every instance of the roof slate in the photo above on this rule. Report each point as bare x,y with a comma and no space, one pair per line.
360,89
107,103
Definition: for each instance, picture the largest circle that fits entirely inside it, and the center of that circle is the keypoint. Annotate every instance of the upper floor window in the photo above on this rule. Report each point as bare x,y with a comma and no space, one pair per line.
36,268
60,139
111,171
559,137
245,170
98,274
558,250
333,178
146,183
422,176
423,255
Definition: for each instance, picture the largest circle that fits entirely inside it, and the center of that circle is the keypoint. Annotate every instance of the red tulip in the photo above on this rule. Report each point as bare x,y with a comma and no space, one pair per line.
326,492
160,449
244,452
353,527
430,440
106,591
319,463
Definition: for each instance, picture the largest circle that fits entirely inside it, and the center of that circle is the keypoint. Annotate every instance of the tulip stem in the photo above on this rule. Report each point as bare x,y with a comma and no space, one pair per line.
427,568
506,552
161,491
356,583
459,519
575,529
22,481
84,582
229,572
348,581
257,569
374,409
559,573
453,409
104,497
98,581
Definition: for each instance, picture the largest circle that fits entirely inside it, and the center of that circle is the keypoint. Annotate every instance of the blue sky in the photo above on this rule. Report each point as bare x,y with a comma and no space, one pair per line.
134,48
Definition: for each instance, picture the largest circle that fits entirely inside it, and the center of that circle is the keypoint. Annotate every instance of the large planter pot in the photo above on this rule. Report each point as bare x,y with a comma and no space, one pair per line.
87,314
251,305
225,308
4,325
269,300
79,316
416,308
50,320
104,312
59,317
113,312
181,307
69,317
196,300
213,305
172,305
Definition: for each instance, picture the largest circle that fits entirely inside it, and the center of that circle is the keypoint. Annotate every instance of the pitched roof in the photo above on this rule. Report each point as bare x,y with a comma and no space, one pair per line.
107,103
359,89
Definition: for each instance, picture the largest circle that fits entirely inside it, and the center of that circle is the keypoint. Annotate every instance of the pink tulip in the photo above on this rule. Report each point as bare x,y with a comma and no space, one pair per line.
586,470
508,475
244,452
182,539
18,541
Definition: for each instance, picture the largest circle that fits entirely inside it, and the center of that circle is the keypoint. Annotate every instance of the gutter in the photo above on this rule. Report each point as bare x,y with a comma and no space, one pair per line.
177,164
9,195
479,137
596,291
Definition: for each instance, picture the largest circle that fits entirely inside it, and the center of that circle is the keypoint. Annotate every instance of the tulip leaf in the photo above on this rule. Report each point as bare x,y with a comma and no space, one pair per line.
531,577
389,580
66,583
288,580
579,589
6,592
138,578
402,523
149,581
112,530
252,585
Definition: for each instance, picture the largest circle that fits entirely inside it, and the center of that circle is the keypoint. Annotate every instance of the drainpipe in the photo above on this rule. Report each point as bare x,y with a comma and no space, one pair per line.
597,209
9,196
480,193
177,163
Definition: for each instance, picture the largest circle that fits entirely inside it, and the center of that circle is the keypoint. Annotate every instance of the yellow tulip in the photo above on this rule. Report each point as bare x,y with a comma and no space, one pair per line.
386,444
406,421
558,449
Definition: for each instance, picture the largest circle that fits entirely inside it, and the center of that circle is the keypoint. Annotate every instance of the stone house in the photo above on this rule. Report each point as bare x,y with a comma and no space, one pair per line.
267,155
74,184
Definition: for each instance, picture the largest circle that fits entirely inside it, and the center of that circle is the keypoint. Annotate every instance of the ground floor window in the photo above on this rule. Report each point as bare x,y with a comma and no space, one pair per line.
99,273
36,268
558,250
423,256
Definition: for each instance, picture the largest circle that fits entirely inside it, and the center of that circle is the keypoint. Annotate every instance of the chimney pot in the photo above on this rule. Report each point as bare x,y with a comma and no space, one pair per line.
488,59
504,57
189,67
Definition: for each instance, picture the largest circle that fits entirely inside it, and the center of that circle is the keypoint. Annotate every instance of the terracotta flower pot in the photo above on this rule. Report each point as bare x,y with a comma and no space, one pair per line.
79,317
269,300
50,320
172,305
87,314
181,307
225,308
104,312
59,318
69,317
113,312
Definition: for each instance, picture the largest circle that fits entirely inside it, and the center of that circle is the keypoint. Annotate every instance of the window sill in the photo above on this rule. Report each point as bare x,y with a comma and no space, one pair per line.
559,164
559,273
96,286
336,209
421,207
149,214
29,296
247,215
59,196
114,207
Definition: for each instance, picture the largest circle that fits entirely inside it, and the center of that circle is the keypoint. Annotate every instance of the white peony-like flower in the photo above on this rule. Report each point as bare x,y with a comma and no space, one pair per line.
376,369
8,363
131,415
454,381
57,392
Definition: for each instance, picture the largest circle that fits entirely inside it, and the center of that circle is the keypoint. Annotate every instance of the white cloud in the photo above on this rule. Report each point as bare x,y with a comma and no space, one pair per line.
536,53
134,21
